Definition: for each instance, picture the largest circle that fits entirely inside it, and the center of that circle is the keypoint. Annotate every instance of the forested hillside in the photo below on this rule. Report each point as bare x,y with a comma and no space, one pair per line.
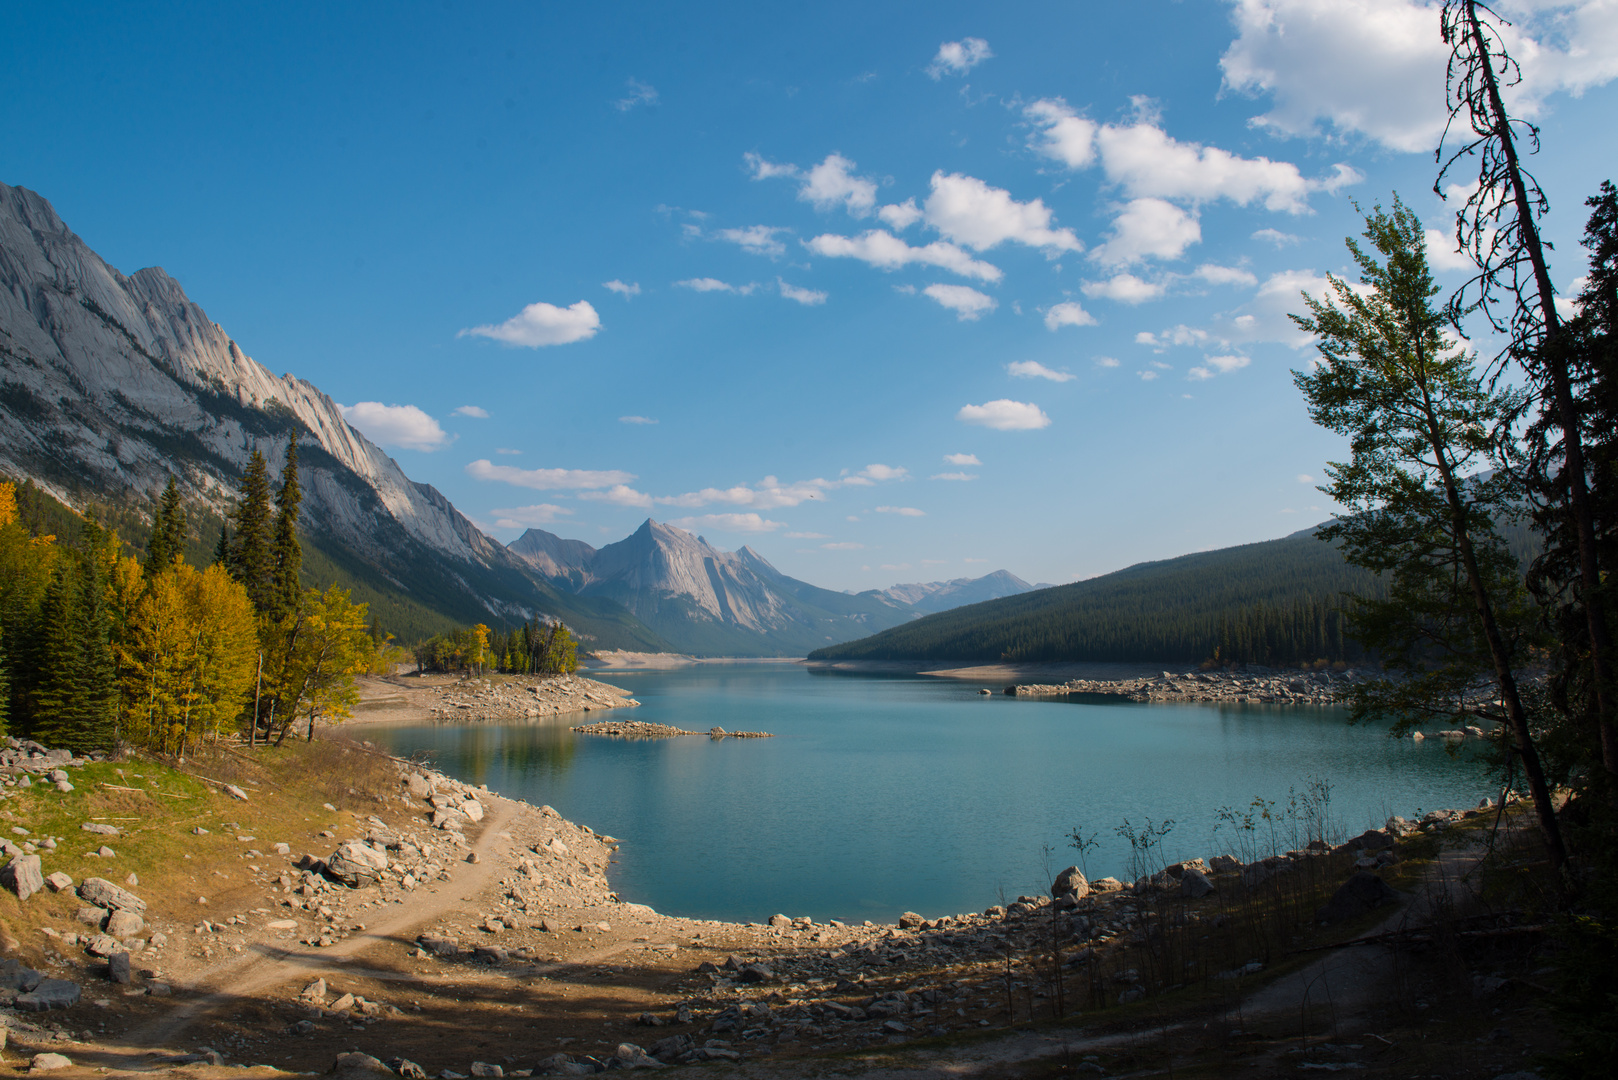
1274,602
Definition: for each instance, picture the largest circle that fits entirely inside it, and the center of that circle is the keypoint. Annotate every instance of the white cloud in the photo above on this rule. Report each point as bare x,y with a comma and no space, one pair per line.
966,210
1266,317
1444,255
767,170
1305,478
1005,415
1277,237
543,324
742,523
1106,361
474,411
1068,313
1218,365
636,420
805,536
1146,376
962,459
620,495
504,450
965,301
1125,288
757,239
958,57
396,425
1033,369
833,182
807,297
1377,67
622,288
517,517
1179,335
902,511
639,94
1149,229
954,476
1148,162
1064,135
547,479
885,251
900,216
844,545
1214,274
708,284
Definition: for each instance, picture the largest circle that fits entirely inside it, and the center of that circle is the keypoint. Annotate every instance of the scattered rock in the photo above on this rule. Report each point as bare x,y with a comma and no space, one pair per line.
118,968
235,792
103,893
59,881
1358,894
357,1066
49,994
483,1068
125,924
48,1062
354,864
22,876
1195,884
100,828
908,921
406,1068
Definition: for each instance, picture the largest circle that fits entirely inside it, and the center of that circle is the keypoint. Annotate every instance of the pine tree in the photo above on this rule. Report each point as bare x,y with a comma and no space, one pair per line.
251,554
286,552
221,551
168,530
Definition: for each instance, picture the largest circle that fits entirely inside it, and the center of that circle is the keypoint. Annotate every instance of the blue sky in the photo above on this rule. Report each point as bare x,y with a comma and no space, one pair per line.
891,292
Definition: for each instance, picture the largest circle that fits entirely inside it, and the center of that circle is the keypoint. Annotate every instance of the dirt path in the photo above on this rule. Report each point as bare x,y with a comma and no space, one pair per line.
265,967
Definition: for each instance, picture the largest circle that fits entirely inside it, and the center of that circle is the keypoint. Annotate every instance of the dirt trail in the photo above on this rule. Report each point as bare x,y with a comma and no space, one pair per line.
267,966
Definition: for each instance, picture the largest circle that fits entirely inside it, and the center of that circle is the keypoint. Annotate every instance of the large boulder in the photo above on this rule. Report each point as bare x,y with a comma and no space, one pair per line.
49,994
1071,880
357,1066
1359,894
125,924
1194,884
355,863
23,876
103,893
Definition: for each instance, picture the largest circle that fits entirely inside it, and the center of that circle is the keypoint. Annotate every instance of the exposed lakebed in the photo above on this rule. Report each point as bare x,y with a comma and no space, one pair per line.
881,794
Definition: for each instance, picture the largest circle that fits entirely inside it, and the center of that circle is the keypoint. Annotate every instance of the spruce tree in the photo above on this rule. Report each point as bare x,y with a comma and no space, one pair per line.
168,530
221,551
286,552
251,557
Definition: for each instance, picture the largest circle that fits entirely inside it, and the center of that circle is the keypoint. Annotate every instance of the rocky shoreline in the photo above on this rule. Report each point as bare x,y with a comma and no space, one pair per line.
1260,686
638,729
510,697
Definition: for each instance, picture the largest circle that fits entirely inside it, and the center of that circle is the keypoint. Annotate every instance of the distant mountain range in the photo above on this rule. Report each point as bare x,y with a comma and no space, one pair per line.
713,602
109,384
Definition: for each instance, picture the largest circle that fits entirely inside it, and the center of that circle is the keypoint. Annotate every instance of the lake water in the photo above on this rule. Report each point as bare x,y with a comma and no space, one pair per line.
885,794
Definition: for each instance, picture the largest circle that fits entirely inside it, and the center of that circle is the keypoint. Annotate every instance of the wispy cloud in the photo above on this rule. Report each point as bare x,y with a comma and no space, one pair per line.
962,459
708,284
757,239
542,324
885,251
639,94
636,420
474,411
1033,369
396,425
967,303
1005,415
902,511
740,523
620,495
958,57
805,536
517,517
622,288
1125,289
843,545
807,297
954,476
547,479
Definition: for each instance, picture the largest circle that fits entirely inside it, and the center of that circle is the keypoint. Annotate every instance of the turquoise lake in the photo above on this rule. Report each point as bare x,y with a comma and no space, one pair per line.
879,795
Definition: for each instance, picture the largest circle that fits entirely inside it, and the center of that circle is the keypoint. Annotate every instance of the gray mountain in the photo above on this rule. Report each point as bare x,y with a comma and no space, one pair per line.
924,598
705,601
111,383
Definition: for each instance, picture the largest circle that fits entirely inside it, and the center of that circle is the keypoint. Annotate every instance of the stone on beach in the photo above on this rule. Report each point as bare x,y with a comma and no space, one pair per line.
1071,880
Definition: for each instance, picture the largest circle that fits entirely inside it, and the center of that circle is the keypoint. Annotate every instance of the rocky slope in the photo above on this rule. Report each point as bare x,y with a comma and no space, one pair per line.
110,383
